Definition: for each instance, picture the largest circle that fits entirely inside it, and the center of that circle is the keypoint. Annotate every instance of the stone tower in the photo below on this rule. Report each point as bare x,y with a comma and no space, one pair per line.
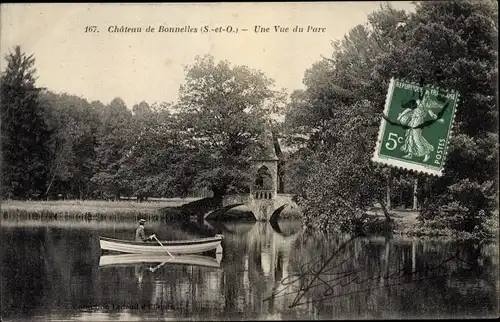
264,168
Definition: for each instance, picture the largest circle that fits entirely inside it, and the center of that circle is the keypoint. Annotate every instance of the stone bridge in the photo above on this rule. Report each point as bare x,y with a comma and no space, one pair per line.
264,204
265,200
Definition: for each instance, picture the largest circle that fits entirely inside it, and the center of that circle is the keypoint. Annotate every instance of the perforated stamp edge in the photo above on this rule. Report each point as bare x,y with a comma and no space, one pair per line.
406,165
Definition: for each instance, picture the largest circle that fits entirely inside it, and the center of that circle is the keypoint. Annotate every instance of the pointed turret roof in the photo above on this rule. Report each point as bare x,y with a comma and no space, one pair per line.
267,144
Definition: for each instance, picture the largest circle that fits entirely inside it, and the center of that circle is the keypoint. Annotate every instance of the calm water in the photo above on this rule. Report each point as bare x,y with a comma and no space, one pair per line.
50,270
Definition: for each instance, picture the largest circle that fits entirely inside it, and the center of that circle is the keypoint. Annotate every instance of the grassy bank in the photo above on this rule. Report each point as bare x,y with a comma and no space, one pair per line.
406,223
167,208
122,207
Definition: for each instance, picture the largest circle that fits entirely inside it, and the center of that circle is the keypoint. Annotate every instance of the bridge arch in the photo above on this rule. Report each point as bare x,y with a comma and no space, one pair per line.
276,215
264,209
224,213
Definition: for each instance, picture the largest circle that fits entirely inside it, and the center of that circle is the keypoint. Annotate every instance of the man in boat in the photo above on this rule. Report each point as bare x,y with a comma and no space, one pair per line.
140,235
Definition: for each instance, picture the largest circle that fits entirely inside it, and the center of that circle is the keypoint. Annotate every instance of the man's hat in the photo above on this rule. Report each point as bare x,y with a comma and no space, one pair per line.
142,221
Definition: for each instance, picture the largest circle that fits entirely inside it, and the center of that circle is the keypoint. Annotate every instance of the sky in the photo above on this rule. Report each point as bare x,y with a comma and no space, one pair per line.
149,66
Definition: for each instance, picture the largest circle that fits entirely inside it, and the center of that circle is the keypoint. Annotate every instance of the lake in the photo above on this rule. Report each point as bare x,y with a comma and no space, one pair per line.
51,271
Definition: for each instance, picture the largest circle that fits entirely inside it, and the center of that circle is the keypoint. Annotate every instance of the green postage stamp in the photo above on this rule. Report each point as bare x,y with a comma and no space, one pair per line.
416,128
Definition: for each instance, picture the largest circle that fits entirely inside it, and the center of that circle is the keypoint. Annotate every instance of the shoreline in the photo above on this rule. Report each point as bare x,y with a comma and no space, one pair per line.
405,221
83,207
129,208
101,209
165,209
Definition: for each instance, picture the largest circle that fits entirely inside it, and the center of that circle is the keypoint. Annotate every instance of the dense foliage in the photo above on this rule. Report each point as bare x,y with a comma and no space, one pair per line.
223,110
449,44
24,132
62,146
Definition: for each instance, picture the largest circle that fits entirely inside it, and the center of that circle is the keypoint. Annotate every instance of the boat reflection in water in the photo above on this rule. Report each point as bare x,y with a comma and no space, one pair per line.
138,254
133,259
140,260
151,272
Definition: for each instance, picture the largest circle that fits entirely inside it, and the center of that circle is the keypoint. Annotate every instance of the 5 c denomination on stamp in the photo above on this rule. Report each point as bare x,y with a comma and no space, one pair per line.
416,127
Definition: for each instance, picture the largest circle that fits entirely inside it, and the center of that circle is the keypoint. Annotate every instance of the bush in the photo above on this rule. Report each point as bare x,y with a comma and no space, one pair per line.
467,207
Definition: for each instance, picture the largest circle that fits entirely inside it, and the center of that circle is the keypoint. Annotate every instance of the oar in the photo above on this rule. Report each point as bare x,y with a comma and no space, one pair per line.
159,242
157,266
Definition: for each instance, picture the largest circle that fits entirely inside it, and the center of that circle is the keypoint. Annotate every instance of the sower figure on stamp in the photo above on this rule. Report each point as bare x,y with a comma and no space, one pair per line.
140,235
413,115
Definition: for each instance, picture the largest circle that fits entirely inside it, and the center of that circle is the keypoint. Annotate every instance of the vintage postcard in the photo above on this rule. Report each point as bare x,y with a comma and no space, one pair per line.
248,161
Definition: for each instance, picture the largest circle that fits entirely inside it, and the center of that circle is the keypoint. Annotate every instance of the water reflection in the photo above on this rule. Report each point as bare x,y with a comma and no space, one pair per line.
51,270
131,259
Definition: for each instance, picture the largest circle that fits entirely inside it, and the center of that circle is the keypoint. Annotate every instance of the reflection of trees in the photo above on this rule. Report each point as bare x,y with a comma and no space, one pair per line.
43,269
180,287
388,288
56,269
20,261
61,273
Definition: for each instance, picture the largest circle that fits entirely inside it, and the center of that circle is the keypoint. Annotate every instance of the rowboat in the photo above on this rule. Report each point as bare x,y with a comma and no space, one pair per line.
132,259
194,246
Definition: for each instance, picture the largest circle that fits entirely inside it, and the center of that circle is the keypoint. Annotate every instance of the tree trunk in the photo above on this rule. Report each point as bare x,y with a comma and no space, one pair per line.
50,184
413,256
415,199
385,209
388,192
80,189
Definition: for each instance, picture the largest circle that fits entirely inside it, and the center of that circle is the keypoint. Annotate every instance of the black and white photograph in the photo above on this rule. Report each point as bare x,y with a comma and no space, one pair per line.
249,161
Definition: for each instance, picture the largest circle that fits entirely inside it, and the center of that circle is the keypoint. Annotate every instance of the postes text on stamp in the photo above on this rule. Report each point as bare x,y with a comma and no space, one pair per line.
416,127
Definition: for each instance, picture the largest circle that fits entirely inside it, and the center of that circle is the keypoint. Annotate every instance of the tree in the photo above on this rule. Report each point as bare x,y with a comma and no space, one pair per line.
73,122
157,161
449,44
464,58
113,135
222,110
24,133
335,120
342,182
